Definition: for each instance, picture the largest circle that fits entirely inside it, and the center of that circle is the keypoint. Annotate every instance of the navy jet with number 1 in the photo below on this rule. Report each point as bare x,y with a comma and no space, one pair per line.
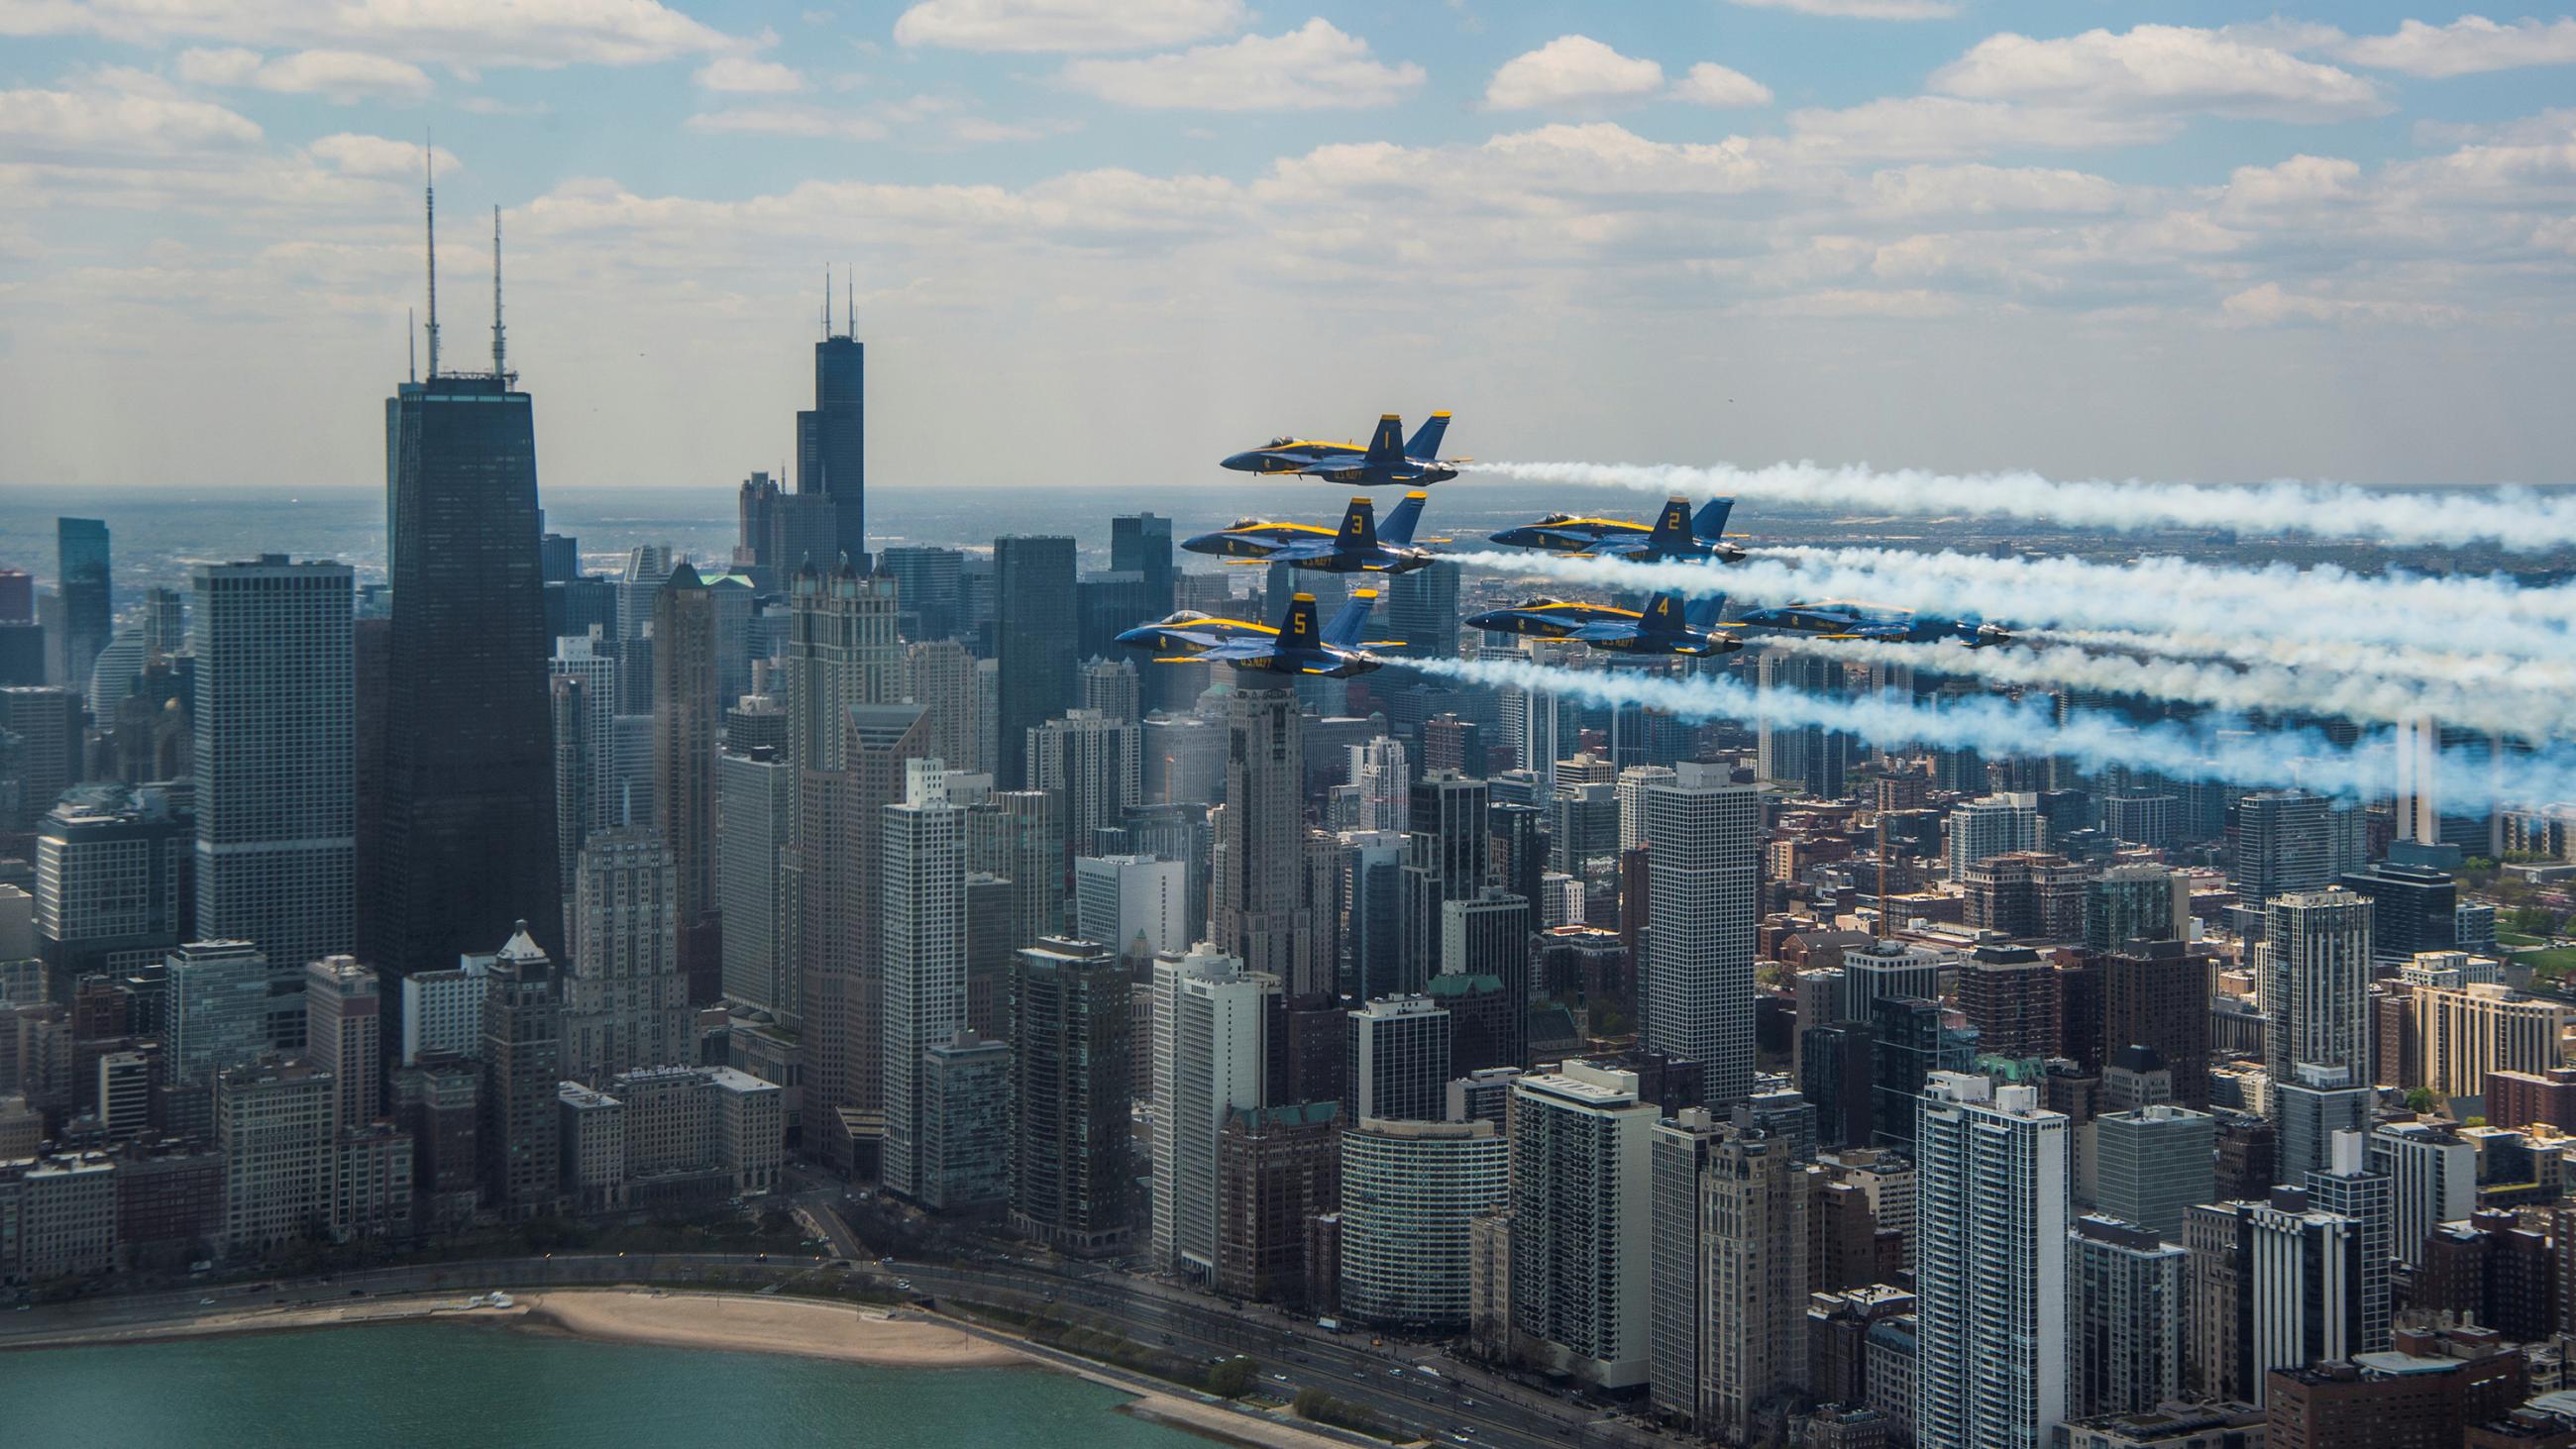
1387,462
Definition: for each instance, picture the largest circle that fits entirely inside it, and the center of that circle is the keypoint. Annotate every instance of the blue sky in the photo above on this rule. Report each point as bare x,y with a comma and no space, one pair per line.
1106,239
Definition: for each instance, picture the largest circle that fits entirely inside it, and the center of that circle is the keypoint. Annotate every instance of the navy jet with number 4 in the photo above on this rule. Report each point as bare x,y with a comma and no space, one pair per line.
1878,623
1665,626
1676,535
1359,546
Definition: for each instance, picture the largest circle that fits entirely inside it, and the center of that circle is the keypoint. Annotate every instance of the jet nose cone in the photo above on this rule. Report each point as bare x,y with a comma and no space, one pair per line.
1242,462
1206,542
1495,622
1511,537
1143,635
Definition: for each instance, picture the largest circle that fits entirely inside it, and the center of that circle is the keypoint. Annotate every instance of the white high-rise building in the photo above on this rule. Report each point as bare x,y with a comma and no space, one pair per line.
2313,970
1630,790
582,658
1210,1058
1396,1060
1094,767
625,1001
1411,1192
755,820
1384,781
923,924
1137,905
1891,968
1990,1265
2433,1179
1993,825
1580,1214
276,767
1703,841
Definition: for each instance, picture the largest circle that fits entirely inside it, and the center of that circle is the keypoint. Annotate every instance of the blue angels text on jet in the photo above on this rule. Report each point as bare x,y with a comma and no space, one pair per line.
1387,462
1676,535
1359,546
1295,645
1665,626
1881,623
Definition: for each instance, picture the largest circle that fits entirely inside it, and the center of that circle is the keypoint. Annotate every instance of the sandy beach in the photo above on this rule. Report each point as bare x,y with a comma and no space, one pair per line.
747,1324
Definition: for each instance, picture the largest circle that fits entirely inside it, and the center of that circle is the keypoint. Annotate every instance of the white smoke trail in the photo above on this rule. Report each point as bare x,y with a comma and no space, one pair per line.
2516,518
2153,595
2463,671
2001,728
2268,689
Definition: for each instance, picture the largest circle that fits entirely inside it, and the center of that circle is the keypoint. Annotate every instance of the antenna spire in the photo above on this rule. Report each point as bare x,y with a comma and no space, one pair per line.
850,296
827,304
429,206
500,370
411,343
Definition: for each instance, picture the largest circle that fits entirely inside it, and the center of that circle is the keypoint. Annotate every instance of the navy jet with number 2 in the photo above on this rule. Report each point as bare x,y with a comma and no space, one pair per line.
1676,536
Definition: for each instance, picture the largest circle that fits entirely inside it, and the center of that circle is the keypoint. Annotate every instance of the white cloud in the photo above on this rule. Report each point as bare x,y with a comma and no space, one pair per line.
1862,9
463,34
1310,68
1711,84
2269,304
343,76
1078,25
2467,46
1946,126
356,155
1572,70
2160,68
55,124
742,75
789,120
1977,190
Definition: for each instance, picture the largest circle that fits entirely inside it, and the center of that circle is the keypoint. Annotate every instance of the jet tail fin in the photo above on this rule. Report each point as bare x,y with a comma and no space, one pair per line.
1710,522
1359,526
1386,445
1297,626
1702,613
1672,526
1664,614
1344,631
1426,439
1402,519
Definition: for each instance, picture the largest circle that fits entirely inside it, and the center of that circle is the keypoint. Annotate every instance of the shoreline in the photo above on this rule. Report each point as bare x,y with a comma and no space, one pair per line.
733,1323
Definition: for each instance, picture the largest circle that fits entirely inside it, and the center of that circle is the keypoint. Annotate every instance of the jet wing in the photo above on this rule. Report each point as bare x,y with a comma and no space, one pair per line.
1302,549
1606,630
1238,651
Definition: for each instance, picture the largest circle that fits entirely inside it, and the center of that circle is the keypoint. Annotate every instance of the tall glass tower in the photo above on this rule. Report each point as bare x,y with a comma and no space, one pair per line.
832,436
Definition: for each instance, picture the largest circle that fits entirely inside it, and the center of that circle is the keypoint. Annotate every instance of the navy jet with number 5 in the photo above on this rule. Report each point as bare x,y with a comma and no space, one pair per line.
1294,646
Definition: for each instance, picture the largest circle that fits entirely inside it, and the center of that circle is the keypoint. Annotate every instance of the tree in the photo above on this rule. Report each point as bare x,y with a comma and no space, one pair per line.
1229,1380
2421,1099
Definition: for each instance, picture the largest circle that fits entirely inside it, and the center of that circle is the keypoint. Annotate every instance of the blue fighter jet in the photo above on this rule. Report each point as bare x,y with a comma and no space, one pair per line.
1666,626
1387,462
1883,623
1359,547
1295,646
1675,535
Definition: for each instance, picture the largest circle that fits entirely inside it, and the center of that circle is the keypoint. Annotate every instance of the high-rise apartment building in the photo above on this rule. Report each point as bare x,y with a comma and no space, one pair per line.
517,1133
2462,1034
1990,1249
1703,838
841,652
1444,860
1091,763
275,760
2123,1317
1397,1060
2152,1163
2312,968
344,1035
1211,1019
1579,1222
755,815
939,675
1138,904
839,834
923,926
1993,825
1411,1193
1073,1034
1383,778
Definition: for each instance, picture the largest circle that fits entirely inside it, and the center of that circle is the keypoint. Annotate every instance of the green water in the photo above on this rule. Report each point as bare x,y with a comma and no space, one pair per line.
460,1386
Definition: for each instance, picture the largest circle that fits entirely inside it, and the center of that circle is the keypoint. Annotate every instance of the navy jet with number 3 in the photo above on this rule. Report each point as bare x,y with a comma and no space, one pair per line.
1360,546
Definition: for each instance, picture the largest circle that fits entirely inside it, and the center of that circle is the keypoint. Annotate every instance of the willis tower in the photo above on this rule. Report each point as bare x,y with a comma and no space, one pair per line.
831,436
464,840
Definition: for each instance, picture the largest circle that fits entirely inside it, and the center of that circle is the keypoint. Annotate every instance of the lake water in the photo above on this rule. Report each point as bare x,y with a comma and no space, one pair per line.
461,1386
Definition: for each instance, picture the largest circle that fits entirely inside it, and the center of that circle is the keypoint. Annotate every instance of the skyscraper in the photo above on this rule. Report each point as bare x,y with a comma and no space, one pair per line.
2153,1163
1385,784
275,757
755,805
922,923
468,844
1703,841
1444,860
2313,970
1211,1037
1579,1221
940,677
1753,1197
1141,544
1074,1038
832,435
522,1052
89,602
625,1001
1422,612
2124,1315
1034,629
685,716
841,651
839,835
1990,1265
1397,1054
344,1036
1091,763
1261,909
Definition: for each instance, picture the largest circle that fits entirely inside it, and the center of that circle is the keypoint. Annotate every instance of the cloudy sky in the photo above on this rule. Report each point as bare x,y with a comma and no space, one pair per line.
1106,240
